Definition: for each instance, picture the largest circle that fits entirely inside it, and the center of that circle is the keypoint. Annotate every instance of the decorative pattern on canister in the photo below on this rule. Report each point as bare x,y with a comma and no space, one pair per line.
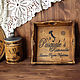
13,49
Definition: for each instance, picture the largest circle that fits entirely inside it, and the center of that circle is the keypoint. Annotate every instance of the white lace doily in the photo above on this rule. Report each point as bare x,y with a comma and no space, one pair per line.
14,13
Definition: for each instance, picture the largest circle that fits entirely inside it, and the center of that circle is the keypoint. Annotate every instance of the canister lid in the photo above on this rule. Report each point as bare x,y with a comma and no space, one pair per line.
12,39
2,36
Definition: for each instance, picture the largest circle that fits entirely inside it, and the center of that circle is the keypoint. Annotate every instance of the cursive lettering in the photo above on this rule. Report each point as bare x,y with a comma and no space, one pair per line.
57,50
43,55
55,55
52,46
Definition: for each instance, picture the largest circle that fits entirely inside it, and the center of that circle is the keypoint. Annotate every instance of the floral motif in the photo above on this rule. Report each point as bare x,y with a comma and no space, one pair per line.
47,3
18,7
24,9
19,12
3,11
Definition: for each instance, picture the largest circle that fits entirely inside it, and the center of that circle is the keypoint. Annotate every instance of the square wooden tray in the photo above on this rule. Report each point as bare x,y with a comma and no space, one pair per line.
53,42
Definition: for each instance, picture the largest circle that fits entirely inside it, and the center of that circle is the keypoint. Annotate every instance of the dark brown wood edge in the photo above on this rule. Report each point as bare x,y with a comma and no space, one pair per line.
4,36
68,23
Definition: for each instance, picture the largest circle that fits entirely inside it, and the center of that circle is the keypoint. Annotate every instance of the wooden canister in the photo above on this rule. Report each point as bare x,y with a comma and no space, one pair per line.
2,36
13,49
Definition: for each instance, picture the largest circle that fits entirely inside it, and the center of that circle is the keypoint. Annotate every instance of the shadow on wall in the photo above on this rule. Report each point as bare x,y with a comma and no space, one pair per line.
77,47
24,46
24,49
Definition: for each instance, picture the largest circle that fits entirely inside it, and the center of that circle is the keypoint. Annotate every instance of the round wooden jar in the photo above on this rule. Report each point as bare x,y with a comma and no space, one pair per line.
13,49
2,36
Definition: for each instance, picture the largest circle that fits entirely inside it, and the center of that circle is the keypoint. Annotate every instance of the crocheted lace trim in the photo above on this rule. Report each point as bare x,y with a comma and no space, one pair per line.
14,13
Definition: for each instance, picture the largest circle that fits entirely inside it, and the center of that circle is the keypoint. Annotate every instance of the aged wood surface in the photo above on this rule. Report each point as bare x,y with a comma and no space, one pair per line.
2,36
54,42
25,71
64,10
13,49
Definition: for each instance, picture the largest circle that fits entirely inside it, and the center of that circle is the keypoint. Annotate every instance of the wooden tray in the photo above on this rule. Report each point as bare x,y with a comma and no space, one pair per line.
2,36
53,42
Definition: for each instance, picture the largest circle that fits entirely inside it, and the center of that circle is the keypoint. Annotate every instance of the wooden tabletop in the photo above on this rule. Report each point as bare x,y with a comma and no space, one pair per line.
25,71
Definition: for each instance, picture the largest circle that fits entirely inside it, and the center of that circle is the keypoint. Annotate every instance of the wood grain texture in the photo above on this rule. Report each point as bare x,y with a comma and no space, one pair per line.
53,42
2,36
13,49
25,71
64,10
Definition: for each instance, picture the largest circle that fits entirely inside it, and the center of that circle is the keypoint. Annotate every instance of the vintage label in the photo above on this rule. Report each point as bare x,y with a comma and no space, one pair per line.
13,53
54,44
